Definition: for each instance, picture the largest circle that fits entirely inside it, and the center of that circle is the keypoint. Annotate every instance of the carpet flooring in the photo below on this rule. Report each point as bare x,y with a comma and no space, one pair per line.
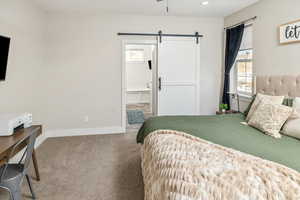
102,167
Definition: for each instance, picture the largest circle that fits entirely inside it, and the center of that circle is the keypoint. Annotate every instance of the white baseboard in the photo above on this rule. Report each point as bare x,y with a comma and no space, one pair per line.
40,140
85,131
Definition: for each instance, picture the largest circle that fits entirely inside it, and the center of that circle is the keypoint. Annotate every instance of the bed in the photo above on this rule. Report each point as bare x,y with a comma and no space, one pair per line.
219,157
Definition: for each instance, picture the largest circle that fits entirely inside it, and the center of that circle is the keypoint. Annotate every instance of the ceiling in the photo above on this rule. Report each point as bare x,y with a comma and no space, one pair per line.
215,8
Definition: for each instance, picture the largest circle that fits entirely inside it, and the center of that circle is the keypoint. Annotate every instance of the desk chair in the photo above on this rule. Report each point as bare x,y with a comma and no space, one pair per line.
12,175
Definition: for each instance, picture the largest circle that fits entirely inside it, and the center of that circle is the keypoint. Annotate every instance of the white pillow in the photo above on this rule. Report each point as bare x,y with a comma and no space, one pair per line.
296,103
259,97
270,117
292,126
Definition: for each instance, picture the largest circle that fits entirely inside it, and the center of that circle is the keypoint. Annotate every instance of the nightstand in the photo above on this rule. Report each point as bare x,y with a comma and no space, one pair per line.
227,112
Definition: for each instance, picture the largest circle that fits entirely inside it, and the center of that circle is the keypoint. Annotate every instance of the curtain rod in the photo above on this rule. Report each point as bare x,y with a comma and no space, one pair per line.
242,22
160,35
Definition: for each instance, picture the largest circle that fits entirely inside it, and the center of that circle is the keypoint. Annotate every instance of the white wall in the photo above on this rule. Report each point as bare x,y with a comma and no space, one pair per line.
84,65
270,58
64,67
24,24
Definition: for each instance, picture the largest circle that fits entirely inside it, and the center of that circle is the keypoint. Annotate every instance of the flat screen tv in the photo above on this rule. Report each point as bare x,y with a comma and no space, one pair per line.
4,49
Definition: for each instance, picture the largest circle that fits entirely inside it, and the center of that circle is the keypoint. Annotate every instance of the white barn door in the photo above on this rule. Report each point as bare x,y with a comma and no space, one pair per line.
178,77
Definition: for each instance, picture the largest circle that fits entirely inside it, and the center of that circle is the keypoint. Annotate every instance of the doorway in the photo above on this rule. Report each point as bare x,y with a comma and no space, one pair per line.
139,65
160,77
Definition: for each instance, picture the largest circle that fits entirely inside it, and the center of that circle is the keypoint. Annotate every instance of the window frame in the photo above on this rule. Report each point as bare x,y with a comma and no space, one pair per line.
137,61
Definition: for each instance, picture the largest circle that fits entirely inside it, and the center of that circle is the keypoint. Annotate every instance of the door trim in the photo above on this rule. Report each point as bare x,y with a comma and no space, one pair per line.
124,81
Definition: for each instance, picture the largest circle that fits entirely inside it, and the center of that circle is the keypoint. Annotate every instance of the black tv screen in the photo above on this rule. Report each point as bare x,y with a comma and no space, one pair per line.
4,49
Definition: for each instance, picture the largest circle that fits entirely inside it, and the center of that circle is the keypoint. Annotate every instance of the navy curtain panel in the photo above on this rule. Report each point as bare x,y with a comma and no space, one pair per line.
234,38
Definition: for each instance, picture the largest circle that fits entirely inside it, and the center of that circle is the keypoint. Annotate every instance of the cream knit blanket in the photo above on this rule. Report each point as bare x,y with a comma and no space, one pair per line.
178,166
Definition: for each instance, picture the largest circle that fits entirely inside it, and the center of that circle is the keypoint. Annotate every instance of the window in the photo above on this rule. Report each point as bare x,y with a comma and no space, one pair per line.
135,55
244,64
244,71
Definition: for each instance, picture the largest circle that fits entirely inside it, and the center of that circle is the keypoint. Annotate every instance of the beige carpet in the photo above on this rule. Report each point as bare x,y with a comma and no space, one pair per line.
105,167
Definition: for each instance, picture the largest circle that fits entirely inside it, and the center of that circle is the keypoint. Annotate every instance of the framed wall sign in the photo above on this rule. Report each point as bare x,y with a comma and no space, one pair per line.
289,33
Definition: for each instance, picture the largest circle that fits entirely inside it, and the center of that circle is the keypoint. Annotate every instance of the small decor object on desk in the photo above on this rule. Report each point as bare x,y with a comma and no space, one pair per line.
9,122
223,107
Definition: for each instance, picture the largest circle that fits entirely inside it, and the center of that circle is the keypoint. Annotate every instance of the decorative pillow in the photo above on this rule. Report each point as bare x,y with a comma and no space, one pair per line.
269,117
259,97
292,126
286,101
249,106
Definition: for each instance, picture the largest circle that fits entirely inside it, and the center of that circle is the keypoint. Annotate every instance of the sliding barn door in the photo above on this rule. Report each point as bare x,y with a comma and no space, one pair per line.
178,77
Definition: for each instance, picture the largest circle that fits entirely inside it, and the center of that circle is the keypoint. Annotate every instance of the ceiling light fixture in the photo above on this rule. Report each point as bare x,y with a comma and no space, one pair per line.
167,4
204,3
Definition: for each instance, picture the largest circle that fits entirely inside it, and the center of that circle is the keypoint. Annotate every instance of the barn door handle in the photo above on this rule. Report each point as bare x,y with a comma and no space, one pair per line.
159,83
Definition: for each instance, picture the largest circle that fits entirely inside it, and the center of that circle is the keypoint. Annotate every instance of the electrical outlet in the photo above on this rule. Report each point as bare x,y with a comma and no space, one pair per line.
86,118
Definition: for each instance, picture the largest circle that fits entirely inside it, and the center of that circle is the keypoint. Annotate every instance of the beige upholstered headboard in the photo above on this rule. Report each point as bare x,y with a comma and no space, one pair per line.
286,85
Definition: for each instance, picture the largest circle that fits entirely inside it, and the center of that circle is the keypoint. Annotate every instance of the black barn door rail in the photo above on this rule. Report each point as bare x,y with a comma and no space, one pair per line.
160,35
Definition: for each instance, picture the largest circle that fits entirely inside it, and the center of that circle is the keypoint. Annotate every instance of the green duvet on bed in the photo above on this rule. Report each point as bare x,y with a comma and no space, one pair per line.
227,130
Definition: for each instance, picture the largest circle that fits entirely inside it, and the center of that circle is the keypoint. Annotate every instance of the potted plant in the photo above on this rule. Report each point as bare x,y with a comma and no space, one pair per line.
223,107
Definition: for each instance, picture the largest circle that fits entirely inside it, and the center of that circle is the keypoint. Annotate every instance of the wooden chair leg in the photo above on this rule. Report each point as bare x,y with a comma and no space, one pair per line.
35,164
